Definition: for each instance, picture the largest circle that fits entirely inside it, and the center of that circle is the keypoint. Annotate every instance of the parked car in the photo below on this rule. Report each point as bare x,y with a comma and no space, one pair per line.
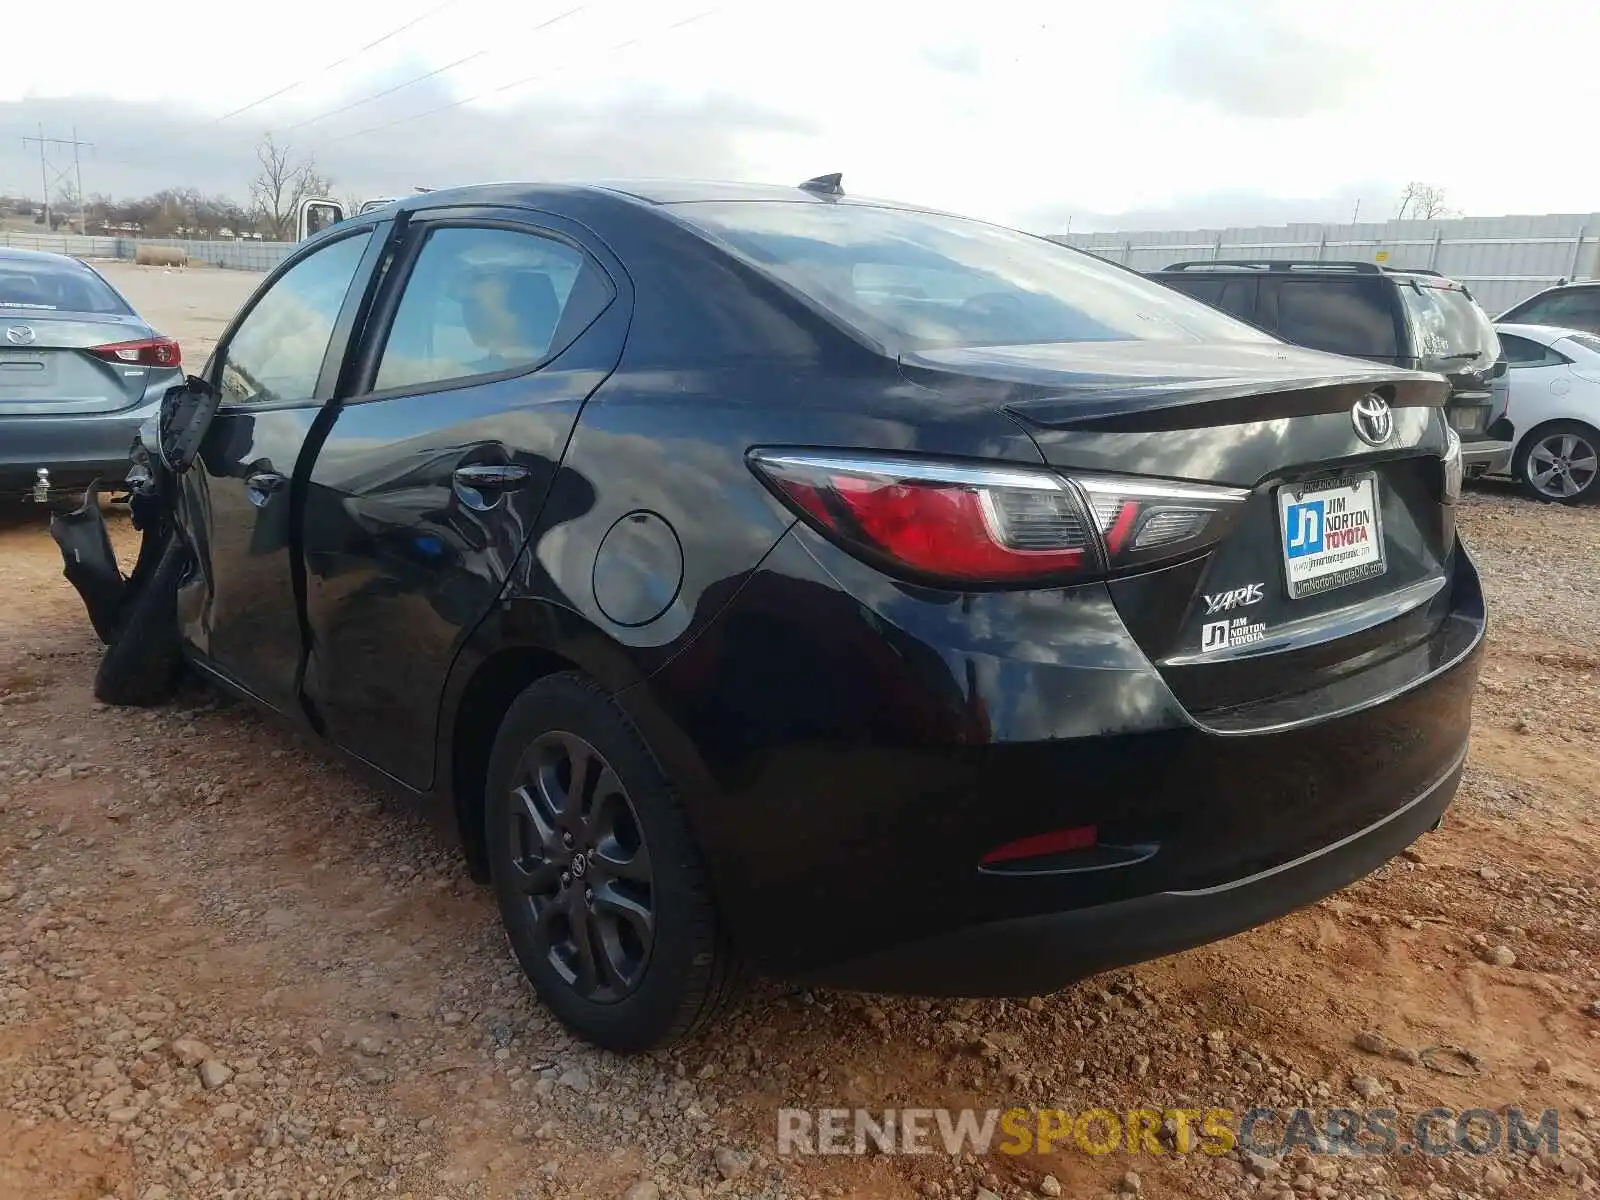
862,594
1401,315
80,371
1555,410
1565,306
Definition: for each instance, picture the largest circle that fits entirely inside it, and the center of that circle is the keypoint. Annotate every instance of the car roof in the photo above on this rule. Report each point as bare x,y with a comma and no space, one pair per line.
643,192
1306,268
1545,335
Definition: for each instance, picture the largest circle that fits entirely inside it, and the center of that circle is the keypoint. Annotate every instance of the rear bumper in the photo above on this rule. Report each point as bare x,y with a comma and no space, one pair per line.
74,450
1486,457
850,753
1039,954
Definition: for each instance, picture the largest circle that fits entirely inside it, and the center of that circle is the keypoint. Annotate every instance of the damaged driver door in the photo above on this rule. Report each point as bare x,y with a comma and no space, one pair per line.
239,611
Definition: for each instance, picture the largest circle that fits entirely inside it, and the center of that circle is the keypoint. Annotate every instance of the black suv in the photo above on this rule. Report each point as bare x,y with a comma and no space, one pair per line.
1565,306
1404,316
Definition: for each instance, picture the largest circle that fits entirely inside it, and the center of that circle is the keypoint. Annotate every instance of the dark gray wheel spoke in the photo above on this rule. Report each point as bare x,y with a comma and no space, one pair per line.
535,877
532,806
585,967
612,861
612,902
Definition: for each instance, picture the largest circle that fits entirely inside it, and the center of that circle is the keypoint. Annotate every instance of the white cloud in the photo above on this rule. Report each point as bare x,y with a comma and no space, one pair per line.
1019,110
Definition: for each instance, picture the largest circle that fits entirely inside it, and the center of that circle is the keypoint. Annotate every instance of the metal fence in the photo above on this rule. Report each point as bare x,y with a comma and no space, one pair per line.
243,255
1502,259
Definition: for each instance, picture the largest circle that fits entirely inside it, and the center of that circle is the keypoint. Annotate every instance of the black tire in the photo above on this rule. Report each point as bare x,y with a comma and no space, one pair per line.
142,664
688,969
1588,482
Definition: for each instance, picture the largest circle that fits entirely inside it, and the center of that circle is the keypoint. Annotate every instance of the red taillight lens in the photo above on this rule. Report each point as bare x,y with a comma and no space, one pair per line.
967,523
151,352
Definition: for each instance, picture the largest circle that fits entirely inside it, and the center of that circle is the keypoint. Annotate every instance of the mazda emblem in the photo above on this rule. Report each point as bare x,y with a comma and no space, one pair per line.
1373,421
20,335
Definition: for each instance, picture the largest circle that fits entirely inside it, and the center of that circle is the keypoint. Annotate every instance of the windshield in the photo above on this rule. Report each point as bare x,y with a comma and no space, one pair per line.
41,284
921,281
1450,325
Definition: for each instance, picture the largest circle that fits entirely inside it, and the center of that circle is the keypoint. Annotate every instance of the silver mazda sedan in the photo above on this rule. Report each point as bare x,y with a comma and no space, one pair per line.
80,371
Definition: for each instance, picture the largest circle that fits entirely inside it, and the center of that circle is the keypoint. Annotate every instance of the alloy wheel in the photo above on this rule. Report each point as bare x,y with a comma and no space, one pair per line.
579,858
1562,465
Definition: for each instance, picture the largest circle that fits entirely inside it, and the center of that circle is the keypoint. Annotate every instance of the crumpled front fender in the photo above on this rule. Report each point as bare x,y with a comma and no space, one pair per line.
90,564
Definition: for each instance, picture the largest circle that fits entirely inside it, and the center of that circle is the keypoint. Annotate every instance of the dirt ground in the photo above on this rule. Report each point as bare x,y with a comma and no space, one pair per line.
228,969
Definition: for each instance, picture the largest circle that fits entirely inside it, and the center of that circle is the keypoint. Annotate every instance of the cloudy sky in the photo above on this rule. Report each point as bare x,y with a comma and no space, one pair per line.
1134,114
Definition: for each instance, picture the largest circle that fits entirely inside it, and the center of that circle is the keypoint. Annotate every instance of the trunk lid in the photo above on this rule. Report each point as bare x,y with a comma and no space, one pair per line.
47,370
1340,556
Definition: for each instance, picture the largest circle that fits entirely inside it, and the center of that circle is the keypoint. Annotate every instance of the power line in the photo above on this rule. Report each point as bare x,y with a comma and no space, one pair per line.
48,168
399,29
516,83
389,91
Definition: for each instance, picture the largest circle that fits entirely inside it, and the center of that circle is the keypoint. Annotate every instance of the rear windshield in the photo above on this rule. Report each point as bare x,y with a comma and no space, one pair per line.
1449,324
921,281
51,286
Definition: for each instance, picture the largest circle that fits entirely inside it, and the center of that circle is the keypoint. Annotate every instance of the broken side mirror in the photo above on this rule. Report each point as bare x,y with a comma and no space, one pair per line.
186,412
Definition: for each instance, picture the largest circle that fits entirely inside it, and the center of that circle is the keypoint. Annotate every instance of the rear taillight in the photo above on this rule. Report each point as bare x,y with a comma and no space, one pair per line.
149,352
954,522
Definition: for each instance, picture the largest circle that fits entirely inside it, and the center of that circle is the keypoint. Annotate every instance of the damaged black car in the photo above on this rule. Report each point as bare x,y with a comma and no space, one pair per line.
766,579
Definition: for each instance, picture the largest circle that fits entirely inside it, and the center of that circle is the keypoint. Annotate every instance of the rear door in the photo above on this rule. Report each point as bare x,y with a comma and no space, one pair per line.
272,370
495,328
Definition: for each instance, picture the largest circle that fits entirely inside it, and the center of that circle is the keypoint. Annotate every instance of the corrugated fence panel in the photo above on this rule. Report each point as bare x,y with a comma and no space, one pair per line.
239,256
1502,259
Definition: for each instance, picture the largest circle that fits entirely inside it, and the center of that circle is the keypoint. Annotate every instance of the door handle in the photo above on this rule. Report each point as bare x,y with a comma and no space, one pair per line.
492,477
260,486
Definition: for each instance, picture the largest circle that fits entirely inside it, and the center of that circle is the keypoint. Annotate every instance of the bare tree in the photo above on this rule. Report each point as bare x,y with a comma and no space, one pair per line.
1423,202
283,181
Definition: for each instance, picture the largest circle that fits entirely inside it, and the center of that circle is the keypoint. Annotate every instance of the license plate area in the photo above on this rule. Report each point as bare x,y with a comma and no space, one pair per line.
1330,533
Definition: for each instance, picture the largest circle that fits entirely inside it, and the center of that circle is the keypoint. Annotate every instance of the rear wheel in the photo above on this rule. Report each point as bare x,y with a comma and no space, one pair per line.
1560,462
600,883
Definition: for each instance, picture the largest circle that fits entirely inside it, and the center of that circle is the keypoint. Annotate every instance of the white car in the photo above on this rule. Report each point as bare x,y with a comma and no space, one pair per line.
1554,410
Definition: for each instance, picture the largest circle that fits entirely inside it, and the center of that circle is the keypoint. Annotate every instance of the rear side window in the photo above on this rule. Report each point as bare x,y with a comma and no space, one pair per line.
1576,309
481,301
1236,297
1521,352
922,280
276,352
45,285
1341,316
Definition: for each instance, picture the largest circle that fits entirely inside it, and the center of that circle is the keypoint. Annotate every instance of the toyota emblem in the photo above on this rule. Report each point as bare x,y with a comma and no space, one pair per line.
20,335
1373,421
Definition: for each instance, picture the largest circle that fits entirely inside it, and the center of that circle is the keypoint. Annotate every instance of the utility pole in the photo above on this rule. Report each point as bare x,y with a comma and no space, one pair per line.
47,168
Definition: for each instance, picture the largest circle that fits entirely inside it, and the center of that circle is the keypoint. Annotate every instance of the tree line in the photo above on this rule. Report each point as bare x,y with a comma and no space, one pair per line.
283,178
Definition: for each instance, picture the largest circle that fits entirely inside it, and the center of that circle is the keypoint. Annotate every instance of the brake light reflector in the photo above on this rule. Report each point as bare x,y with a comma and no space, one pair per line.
1059,841
958,522
148,352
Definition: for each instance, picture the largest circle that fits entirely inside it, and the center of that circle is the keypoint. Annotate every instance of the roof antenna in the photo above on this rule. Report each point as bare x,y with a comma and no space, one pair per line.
825,185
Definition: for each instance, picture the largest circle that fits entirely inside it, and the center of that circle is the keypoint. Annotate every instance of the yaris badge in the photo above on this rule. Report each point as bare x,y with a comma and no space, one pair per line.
1373,421
20,335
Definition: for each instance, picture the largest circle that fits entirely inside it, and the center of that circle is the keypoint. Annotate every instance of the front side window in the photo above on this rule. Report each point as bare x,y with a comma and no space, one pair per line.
923,280
1341,316
1576,309
276,352
482,301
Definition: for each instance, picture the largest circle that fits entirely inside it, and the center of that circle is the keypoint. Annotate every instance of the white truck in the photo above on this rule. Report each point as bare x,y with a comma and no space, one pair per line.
316,213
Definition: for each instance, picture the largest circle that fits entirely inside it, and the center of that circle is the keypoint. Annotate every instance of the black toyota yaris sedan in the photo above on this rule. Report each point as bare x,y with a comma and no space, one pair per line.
850,592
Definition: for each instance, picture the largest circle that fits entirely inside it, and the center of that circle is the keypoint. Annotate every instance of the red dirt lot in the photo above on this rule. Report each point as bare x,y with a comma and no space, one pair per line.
228,969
